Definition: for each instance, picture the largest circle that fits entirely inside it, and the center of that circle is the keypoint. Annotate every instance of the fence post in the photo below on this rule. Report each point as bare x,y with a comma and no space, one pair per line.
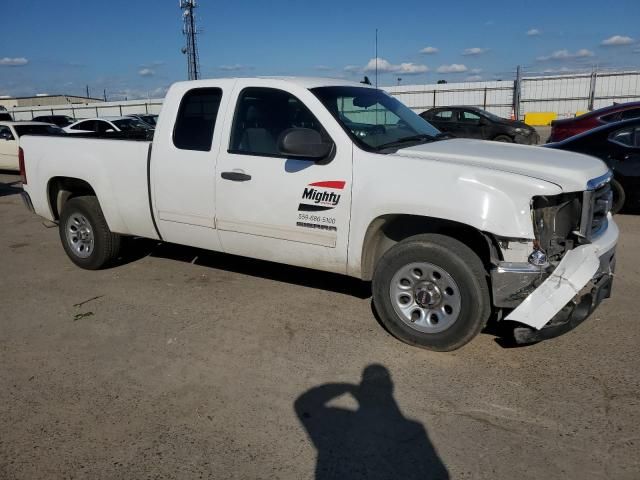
434,98
592,89
517,84
484,104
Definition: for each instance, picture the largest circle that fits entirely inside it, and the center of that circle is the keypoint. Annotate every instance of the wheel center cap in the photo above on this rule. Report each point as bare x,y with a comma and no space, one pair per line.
427,295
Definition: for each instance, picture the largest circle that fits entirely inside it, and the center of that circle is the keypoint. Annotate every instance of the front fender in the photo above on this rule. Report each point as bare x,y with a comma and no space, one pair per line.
487,200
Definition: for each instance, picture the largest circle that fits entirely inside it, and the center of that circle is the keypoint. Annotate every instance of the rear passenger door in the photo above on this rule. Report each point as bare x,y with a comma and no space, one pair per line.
470,124
185,150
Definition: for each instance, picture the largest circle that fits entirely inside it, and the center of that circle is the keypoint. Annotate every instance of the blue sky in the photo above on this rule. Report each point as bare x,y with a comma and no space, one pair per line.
133,48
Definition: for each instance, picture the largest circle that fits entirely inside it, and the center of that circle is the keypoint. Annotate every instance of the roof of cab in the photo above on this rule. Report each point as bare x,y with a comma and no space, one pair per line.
304,82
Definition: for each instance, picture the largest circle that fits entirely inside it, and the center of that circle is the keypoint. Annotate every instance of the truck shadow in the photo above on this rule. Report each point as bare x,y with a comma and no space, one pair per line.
138,248
372,440
12,188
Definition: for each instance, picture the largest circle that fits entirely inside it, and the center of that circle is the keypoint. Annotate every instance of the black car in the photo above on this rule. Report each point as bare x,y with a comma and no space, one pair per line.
618,145
59,120
473,122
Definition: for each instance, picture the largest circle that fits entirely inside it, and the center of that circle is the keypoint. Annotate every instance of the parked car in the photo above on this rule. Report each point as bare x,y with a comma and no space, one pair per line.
618,145
105,125
59,120
6,117
473,122
446,229
561,129
10,133
149,119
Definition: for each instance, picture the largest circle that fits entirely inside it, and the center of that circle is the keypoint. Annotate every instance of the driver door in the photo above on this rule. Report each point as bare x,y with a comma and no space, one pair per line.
278,208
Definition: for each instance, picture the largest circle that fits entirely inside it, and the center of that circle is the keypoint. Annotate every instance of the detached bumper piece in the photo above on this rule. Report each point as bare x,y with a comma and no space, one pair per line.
572,315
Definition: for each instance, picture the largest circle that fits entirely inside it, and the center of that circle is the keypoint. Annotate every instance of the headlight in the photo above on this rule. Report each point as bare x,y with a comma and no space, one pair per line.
522,131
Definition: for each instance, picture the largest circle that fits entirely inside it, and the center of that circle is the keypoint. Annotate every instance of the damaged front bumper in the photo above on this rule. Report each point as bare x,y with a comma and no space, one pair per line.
548,307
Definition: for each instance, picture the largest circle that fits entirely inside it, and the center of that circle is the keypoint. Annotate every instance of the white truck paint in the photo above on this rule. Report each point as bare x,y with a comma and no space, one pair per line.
161,191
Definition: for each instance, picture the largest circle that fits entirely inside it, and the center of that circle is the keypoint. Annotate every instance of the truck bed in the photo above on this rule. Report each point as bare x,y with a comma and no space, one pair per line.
117,169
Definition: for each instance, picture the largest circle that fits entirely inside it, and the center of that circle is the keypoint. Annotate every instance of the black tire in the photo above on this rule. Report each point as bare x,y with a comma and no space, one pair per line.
463,266
619,196
503,138
106,245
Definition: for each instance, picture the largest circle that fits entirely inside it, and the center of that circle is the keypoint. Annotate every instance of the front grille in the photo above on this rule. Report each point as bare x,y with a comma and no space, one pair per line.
595,207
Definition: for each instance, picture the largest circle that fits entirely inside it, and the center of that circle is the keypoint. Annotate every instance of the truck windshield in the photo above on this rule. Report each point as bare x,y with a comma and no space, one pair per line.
374,119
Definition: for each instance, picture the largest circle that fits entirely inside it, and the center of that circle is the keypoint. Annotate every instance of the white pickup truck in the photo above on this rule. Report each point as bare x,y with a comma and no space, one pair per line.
342,177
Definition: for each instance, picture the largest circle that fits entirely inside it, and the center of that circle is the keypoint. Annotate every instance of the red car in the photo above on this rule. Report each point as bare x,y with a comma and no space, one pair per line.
561,129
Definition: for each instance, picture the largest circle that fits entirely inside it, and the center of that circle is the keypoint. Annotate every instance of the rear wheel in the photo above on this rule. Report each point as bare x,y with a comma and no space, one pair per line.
503,138
85,235
619,196
431,291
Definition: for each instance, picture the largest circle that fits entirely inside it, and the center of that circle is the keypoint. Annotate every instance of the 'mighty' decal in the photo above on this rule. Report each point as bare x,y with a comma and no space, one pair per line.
321,196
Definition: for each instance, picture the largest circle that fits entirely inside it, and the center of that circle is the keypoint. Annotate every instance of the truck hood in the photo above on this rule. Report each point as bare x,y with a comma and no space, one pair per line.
570,171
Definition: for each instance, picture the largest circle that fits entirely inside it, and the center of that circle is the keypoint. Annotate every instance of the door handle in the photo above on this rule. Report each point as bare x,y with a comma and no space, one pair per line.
236,176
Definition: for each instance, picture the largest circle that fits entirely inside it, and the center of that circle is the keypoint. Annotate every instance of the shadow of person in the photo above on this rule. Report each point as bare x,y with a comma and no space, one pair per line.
374,441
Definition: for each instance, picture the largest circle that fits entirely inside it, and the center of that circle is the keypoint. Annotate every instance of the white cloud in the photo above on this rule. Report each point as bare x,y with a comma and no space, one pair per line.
473,78
533,32
565,54
474,51
453,68
146,72
13,62
352,68
235,67
384,66
429,50
476,70
617,40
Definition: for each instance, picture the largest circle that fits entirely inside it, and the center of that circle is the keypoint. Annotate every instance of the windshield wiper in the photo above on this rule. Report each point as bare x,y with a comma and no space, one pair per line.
403,140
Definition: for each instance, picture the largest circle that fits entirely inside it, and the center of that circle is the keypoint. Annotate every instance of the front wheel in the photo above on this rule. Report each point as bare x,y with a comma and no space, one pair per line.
503,138
85,235
431,291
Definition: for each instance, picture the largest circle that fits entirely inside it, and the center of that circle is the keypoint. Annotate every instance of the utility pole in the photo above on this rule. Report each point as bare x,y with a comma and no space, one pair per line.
190,31
88,92
376,58
104,92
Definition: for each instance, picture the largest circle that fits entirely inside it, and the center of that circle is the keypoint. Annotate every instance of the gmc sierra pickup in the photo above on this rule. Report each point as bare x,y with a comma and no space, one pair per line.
342,177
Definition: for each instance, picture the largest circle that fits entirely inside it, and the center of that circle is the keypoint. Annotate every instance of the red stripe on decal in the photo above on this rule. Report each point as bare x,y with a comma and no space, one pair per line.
338,184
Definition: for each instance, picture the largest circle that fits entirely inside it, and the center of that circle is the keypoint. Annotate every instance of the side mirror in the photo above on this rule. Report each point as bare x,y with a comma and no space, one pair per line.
304,143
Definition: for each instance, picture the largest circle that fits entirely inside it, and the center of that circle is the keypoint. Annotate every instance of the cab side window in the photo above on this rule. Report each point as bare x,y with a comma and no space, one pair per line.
444,116
629,137
196,119
263,115
469,117
88,125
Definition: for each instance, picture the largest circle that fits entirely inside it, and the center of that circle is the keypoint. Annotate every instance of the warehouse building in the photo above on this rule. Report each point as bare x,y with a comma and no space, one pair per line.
45,101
